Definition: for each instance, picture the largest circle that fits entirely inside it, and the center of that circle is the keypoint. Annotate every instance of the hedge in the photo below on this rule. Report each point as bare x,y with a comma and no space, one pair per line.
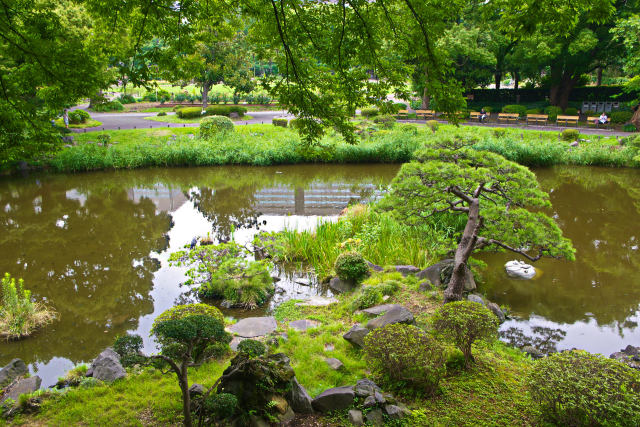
586,93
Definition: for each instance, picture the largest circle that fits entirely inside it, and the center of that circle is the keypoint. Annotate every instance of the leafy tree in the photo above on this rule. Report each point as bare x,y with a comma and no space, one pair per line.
494,194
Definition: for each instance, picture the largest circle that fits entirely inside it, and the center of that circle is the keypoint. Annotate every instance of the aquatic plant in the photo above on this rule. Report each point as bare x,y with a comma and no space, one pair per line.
19,316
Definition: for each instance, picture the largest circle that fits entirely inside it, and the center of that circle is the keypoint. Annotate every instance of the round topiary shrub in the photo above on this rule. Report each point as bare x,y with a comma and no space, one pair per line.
620,117
162,113
351,266
570,134
189,112
251,348
182,311
213,125
369,112
405,355
368,297
386,121
571,111
221,405
463,323
576,388
78,116
433,125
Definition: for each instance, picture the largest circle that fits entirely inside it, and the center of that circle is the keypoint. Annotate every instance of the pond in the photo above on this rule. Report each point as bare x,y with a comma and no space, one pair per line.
96,245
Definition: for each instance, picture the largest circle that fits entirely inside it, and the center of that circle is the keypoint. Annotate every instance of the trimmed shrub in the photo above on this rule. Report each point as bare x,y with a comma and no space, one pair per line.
590,113
571,111
533,111
552,111
162,114
433,125
280,122
213,125
385,121
405,355
221,405
182,311
369,112
576,388
351,266
463,323
515,108
629,128
128,348
78,116
189,112
399,106
488,109
127,99
620,117
251,348
225,110
570,135
108,106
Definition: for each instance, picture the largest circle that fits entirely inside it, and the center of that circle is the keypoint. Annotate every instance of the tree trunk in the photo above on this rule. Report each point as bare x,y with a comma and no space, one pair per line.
186,399
426,99
560,92
635,120
516,80
599,78
463,251
205,94
498,79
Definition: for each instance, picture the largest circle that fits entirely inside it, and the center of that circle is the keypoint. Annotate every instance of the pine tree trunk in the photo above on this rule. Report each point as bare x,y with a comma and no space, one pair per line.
465,248
186,399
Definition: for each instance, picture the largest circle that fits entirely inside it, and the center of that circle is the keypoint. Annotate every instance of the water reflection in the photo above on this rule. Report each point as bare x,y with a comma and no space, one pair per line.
95,246
595,299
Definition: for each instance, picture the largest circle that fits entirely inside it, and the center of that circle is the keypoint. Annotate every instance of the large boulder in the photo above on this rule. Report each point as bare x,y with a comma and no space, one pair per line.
298,398
23,386
355,417
495,309
252,327
365,387
379,309
334,399
405,270
440,274
356,335
397,314
14,369
629,355
107,367
340,286
520,270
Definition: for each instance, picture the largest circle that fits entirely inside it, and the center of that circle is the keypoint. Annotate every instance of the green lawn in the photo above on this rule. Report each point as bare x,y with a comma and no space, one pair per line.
173,118
88,124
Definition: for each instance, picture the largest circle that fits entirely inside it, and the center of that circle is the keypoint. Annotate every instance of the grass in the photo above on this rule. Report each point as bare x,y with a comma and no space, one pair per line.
88,124
175,119
19,316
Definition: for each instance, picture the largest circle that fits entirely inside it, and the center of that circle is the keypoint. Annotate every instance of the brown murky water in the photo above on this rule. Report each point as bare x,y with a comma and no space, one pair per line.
95,246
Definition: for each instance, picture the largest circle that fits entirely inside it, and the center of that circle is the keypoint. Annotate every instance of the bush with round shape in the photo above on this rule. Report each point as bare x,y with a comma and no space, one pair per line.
570,135
433,125
182,311
367,297
533,111
128,348
408,128
220,405
515,108
189,112
385,121
225,110
620,117
213,125
571,111
78,116
576,388
369,112
351,266
629,128
252,348
552,111
463,323
162,114
280,122
127,99
405,355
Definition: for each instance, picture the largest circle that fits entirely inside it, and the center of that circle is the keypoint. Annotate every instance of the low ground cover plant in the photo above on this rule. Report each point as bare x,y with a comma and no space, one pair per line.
19,315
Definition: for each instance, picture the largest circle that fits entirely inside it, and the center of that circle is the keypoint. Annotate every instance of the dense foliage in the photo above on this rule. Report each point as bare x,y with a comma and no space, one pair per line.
129,349
351,266
213,125
576,388
252,348
463,323
405,355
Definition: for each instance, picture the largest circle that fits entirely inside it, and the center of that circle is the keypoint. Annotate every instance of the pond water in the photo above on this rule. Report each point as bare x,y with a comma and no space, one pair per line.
95,247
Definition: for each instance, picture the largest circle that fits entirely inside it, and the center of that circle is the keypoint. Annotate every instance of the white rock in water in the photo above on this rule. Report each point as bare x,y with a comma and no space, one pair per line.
520,270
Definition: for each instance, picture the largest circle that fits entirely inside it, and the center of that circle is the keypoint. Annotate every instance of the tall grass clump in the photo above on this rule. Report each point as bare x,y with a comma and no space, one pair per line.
19,316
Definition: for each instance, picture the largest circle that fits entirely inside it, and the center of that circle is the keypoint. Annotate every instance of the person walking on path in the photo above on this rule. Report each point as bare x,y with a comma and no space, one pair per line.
65,117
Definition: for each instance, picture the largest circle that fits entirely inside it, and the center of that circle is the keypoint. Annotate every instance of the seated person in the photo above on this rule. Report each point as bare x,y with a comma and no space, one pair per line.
603,119
483,115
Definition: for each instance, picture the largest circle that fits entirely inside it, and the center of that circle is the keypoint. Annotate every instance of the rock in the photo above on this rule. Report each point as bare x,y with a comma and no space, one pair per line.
440,274
396,412
355,417
275,279
299,399
520,270
23,386
252,327
356,335
334,363
574,144
379,309
369,402
340,286
196,390
303,281
425,286
334,399
226,304
14,369
375,417
405,270
280,290
316,301
289,415
234,115
235,341
398,314
533,352
304,324
106,367
495,309
374,267
385,297
366,387
475,298
379,397
629,356
281,403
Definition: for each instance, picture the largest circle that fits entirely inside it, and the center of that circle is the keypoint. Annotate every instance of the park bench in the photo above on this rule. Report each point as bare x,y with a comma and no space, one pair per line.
508,117
537,119
475,116
403,114
594,121
426,114
567,120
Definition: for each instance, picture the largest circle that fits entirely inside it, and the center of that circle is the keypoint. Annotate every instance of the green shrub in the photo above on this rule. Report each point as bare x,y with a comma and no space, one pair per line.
213,125
620,117
571,111
385,121
182,311
19,316
225,110
488,109
405,355
629,128
463,323
280,122
575,388
369,112
351,266
252,348
78,116
408,128
590,113
367,297
127,99
570,134
533,111
128,348
295,124
399,106
108,106
162,114
433,125
552,111
221,405
189,112
515,108
499,132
